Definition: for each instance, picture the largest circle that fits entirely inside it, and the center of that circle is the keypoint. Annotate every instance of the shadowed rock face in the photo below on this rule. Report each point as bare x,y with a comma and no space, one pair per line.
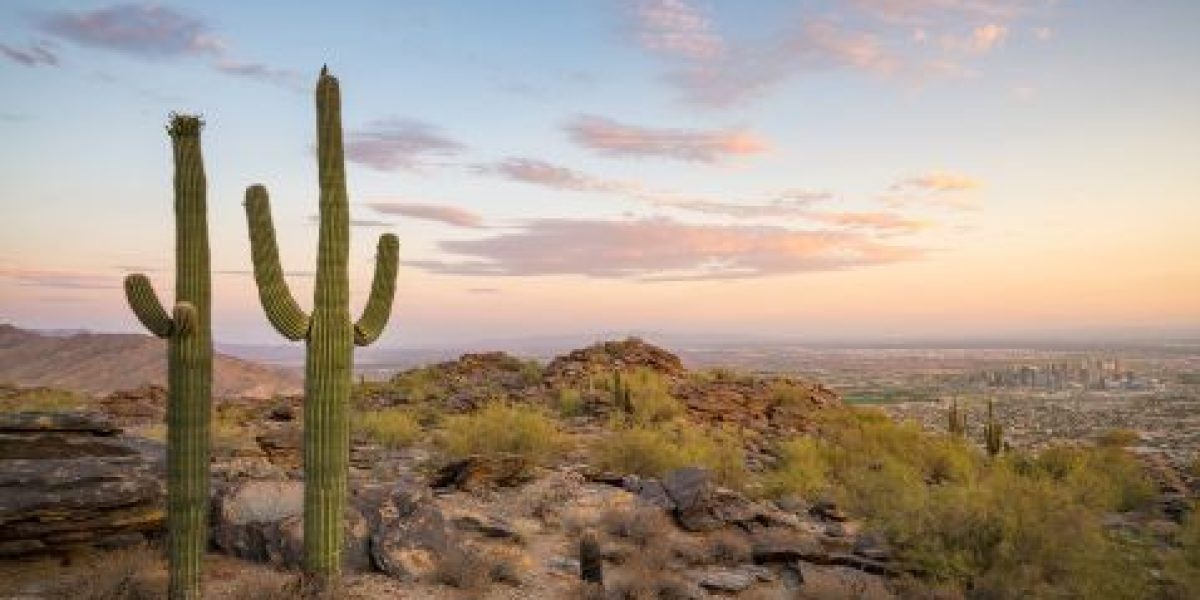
70,479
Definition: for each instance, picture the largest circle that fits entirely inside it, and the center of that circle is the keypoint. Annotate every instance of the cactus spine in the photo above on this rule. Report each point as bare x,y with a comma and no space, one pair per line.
328,333
993,433
189,362
956,419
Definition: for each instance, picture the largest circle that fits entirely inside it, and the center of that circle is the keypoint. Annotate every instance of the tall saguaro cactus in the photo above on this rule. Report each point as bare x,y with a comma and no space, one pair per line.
189,362
328,332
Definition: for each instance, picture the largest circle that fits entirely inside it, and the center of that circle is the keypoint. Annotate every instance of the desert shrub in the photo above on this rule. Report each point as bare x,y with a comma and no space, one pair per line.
1118,438
134,573
789,393
390,427
643,526
471,568
417,385
652,450
13,399
649,398
1019,527
531,371
1182,567
501,428
570,402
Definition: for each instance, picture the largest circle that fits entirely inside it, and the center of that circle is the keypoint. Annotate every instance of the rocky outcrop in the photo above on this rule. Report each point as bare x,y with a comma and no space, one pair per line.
478,472
606,357
71,479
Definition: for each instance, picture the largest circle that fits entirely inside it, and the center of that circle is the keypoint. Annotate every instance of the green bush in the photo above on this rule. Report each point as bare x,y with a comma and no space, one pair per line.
14,399
570,402
652,450
500,428
649,398
1118,438
390,427
1019,527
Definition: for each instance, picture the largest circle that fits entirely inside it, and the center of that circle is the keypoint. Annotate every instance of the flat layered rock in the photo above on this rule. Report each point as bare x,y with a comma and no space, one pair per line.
70,479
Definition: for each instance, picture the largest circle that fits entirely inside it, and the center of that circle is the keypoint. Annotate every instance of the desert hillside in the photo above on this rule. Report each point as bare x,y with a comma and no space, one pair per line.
100,363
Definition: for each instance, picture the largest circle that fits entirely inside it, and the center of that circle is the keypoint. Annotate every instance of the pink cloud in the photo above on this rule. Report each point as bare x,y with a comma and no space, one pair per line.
676,27
663,249
707,146
393,144
440,213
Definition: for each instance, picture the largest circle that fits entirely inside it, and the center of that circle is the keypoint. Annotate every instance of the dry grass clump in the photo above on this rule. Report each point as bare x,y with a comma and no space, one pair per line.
472,568
134,573
15,399
499,428
643,526
390,427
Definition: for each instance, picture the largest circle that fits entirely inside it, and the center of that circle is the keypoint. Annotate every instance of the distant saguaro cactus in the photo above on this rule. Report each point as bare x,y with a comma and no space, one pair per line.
329,334
993,433
622,395
188,332
956,419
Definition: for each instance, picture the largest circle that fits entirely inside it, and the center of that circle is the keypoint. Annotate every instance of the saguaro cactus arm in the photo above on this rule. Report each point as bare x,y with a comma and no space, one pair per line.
383,290
146,306
277,300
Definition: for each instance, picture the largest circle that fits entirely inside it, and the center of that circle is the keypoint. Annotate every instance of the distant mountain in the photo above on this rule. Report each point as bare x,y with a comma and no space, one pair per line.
97,363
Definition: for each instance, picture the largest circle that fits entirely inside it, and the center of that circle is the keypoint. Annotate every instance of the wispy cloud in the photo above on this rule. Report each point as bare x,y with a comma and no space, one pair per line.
540,172
260,72
937,181
450,215
152,31
393,144
143,30
883,38
75,280
935,187
888,223
662,249
614,138
34,55
784,204
483,290
980,40
675,27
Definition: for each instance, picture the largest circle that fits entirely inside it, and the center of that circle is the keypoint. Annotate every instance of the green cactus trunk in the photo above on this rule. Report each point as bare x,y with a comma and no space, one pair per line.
956,420
189,363
329,334
993,434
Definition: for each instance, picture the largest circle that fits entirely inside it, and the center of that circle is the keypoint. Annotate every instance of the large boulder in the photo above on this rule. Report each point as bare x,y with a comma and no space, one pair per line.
263,521
72,479
409,534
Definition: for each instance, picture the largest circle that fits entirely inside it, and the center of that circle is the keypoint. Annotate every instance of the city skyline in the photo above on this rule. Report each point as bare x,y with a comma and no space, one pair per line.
872,168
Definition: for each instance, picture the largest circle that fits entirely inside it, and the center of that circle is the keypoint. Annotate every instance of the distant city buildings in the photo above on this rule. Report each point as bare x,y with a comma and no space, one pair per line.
1089,373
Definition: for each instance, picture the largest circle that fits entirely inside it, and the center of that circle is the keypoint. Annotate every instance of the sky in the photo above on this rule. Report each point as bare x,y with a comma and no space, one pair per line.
824,169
